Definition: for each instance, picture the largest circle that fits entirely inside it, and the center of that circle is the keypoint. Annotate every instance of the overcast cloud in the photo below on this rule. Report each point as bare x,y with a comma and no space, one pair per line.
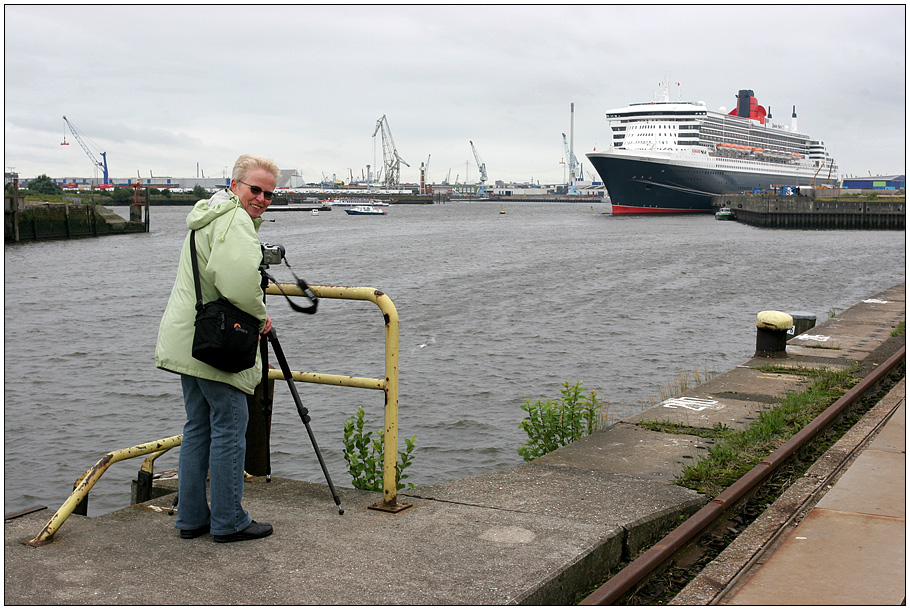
162,89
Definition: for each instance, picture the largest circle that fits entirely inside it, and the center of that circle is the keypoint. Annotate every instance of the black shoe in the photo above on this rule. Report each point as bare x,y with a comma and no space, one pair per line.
199,531
253,531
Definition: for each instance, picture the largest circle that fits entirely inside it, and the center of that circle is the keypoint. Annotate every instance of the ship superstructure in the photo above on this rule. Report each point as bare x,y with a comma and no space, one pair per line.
674,156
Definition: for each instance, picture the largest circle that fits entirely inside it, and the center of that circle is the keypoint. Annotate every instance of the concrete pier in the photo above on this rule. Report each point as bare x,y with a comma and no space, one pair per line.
544,532
816,211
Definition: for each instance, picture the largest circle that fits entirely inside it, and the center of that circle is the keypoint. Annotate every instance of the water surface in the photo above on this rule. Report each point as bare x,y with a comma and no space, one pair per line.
494,308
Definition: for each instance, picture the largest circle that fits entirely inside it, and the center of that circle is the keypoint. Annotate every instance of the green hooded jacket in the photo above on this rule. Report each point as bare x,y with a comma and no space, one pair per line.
228,253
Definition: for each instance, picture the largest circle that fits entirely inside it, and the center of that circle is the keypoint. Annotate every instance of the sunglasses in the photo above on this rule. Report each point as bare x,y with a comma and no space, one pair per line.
256,190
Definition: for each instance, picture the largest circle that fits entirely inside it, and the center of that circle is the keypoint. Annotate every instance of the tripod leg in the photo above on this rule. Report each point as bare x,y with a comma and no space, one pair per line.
302,411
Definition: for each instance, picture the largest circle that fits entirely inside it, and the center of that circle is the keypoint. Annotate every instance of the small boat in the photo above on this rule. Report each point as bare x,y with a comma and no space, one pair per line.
725,214
365,210
314,213
341,202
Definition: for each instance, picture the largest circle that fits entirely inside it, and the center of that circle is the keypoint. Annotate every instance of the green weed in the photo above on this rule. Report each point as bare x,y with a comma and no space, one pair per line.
364,456
550,423
737,452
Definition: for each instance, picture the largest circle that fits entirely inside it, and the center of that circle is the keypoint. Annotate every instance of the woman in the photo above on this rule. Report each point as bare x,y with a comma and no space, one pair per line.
214,436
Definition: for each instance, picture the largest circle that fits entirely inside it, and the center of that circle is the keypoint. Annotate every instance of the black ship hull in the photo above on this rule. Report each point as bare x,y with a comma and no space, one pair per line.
641,186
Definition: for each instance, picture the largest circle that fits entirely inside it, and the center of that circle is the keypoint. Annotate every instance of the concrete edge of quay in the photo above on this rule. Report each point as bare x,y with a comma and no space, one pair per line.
542,532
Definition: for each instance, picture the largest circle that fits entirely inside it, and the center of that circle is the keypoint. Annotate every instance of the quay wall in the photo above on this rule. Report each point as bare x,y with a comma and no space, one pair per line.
51,221
807,212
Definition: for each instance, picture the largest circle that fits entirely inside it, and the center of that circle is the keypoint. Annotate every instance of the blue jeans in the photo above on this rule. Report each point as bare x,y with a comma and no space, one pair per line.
214,444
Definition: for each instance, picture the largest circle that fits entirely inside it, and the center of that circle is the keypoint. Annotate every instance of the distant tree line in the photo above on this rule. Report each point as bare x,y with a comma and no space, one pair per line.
44,185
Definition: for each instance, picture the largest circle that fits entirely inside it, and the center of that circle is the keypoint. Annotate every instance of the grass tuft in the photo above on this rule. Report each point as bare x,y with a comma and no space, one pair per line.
740,450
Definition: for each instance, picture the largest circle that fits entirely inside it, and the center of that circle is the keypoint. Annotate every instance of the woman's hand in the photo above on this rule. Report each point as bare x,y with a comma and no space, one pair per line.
268,325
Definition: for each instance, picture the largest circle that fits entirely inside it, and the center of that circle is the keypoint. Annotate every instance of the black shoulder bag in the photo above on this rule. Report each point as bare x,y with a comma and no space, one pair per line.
226,337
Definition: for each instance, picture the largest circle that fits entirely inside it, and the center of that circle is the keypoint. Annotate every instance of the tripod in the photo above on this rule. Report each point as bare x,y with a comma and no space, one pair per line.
272,336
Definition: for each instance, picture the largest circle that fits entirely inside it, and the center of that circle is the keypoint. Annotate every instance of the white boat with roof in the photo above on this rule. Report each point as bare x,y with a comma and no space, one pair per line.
365,210
349,202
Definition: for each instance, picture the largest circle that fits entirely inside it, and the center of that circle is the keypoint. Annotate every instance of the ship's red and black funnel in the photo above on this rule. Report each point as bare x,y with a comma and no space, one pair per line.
748,107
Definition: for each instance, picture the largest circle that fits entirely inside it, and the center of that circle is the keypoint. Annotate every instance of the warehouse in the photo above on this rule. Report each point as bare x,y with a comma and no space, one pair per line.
887,183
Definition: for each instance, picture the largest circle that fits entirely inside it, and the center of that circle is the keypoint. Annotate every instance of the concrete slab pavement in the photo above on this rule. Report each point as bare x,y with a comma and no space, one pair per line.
850,548
732,399
533,535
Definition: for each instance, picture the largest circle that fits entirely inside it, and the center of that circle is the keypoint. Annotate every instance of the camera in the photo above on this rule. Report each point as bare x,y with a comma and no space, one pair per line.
272,254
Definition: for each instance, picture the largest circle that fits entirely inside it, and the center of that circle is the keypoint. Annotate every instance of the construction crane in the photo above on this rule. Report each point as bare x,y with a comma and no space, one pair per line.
575,172
88,151
482,168
390,158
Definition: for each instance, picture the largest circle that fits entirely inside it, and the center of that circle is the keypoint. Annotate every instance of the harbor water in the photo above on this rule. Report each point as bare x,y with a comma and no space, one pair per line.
494,309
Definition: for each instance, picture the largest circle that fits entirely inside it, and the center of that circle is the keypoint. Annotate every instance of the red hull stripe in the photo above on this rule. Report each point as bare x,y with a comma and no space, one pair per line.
631,209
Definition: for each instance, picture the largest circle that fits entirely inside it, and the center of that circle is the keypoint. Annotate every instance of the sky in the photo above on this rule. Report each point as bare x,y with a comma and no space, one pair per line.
181,91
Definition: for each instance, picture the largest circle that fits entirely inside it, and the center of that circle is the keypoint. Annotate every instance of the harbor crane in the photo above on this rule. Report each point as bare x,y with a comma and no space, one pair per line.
390,158
575,172
88,151
482,168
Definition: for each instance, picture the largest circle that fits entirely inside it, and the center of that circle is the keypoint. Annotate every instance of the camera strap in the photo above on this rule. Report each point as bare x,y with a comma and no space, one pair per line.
307,292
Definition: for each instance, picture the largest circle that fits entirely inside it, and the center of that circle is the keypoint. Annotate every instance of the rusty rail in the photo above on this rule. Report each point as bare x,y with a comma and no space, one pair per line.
663,551
389,385
91,476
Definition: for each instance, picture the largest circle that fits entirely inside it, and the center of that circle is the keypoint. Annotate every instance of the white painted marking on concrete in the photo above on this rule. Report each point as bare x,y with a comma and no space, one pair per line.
693,404
821,338
876,301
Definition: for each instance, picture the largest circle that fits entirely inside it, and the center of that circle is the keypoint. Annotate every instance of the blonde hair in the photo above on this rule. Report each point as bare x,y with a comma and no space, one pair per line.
247,163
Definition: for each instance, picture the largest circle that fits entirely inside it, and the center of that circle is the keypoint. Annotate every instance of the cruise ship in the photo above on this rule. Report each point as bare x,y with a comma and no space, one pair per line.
671,157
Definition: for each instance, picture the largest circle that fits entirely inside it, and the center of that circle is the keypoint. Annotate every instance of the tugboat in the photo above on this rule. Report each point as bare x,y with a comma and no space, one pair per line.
725,214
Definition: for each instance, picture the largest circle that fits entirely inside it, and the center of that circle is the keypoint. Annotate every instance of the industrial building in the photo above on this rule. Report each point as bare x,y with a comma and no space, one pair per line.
881,183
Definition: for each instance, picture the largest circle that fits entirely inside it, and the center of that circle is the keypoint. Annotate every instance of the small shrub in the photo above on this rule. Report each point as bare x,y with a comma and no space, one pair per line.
550,423
364,455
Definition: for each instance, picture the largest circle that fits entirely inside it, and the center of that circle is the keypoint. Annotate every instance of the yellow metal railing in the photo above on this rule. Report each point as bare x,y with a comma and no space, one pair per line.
389,385
91,476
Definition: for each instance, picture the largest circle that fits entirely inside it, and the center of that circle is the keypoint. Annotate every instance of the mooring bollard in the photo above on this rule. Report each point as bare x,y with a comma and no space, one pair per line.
802,321
771,338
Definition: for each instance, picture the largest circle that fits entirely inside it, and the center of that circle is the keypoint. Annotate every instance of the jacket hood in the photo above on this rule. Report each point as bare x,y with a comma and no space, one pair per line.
221,203
206,210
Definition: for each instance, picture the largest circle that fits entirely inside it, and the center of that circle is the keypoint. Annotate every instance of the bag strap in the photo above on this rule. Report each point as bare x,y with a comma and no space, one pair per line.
195,270
307,291
304,287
